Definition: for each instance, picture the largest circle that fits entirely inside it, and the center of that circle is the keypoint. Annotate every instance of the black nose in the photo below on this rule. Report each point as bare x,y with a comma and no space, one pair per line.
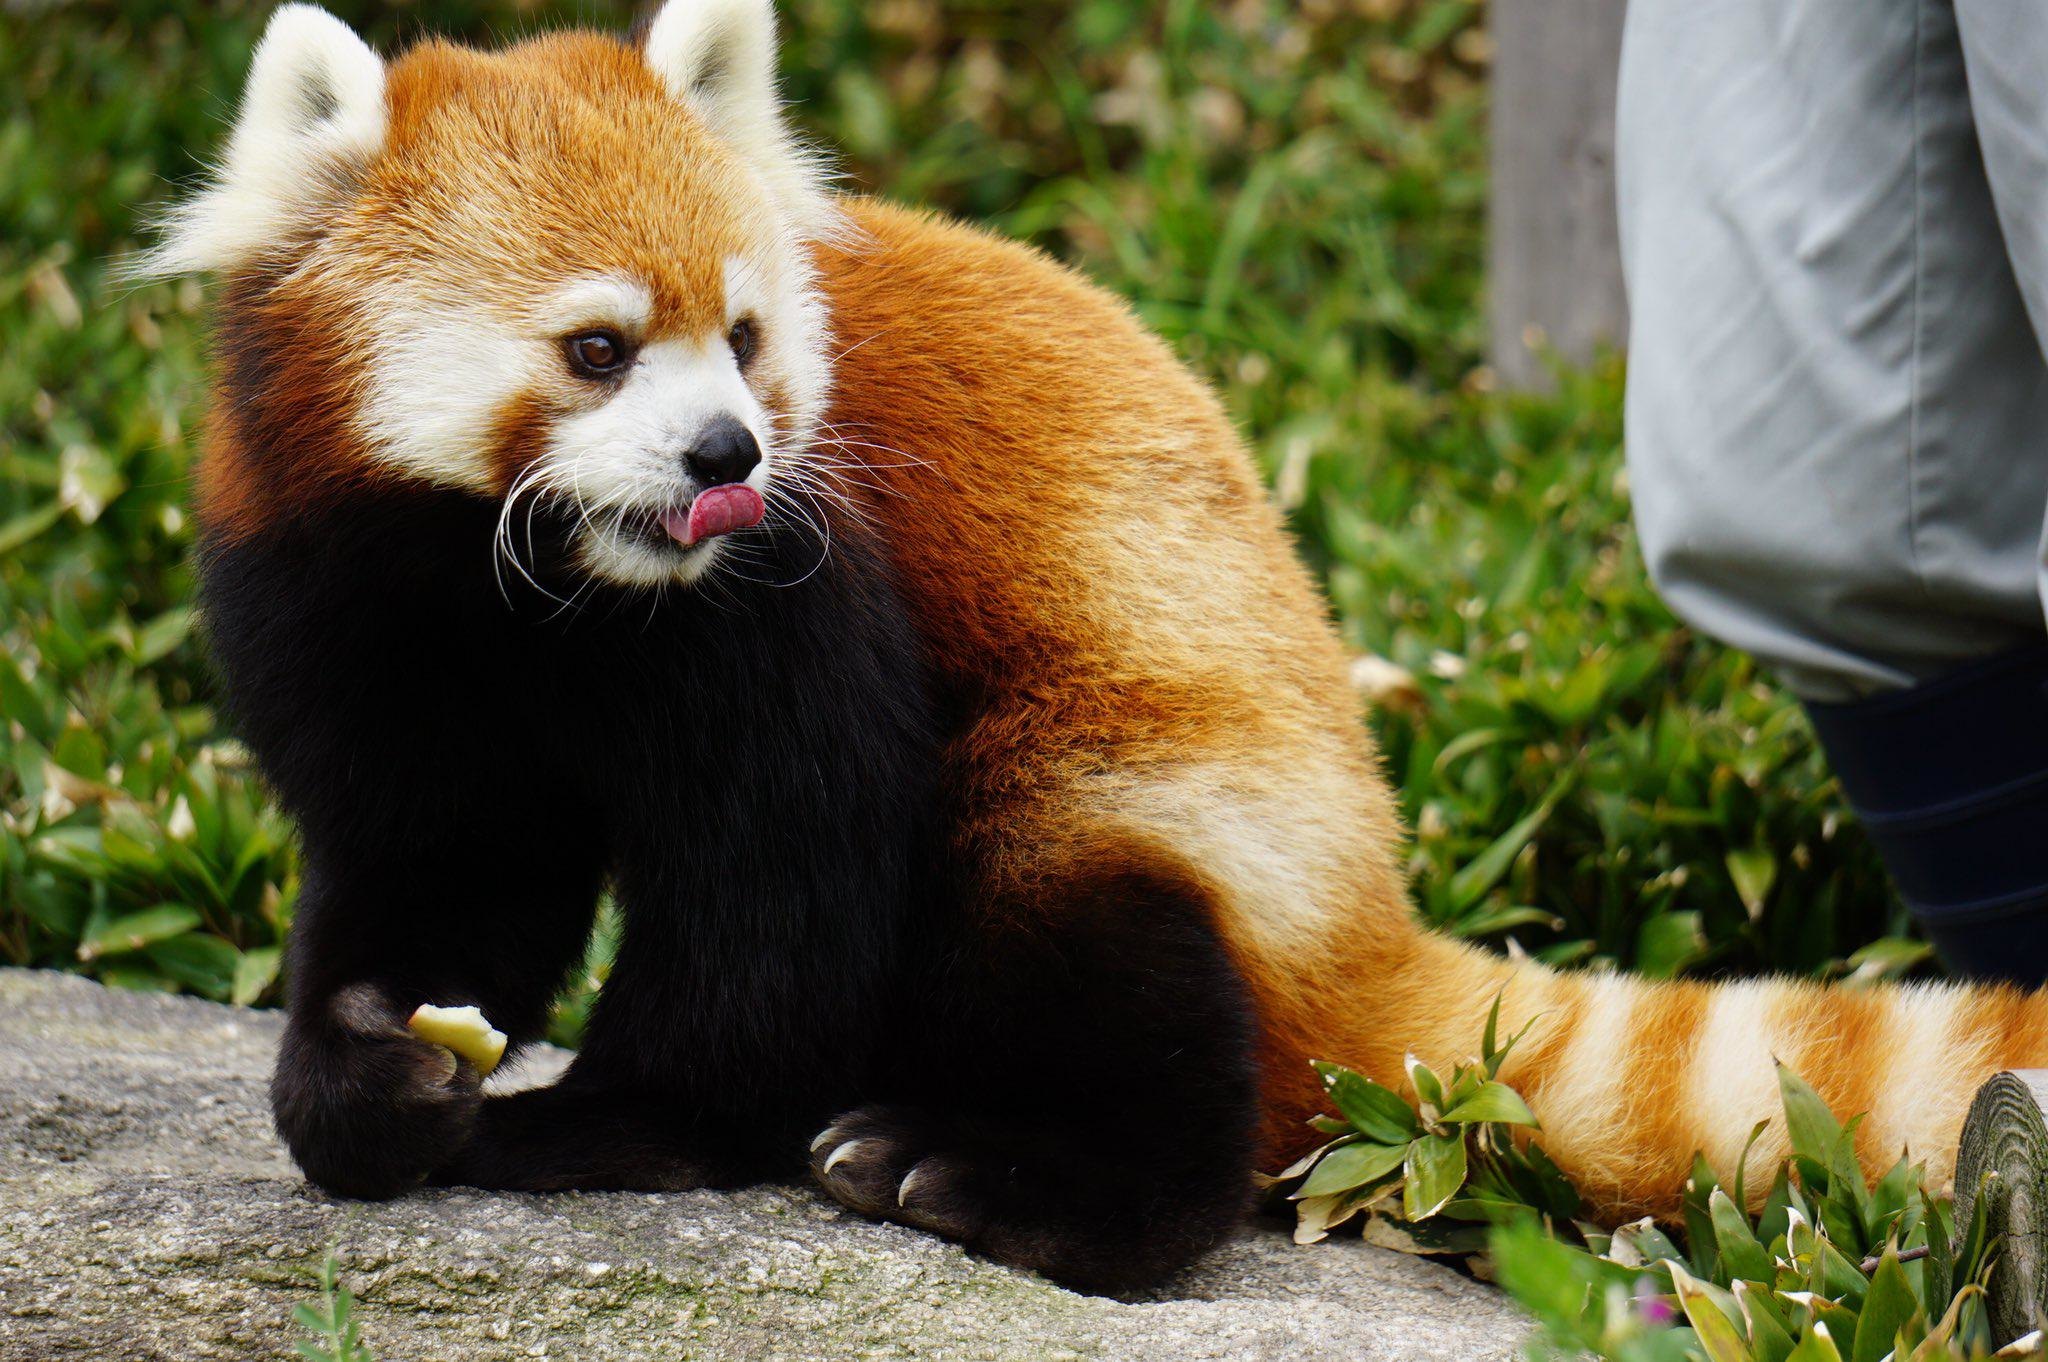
725,452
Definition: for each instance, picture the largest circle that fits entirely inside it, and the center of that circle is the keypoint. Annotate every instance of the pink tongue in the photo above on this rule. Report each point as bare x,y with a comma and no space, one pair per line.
716,511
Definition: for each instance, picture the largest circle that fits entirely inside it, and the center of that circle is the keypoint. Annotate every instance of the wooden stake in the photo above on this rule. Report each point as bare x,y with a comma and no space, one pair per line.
2006,1136
1554,255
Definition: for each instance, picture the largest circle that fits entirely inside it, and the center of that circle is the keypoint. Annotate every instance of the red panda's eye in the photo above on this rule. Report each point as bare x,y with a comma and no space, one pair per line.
741,339
595,354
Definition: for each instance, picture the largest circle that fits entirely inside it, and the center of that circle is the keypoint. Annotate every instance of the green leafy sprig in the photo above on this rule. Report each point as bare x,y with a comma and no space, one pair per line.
1830,1268
331,1321
1429,1176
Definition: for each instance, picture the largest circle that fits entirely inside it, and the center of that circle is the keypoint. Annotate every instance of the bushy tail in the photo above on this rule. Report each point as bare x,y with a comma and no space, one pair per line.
1631,1077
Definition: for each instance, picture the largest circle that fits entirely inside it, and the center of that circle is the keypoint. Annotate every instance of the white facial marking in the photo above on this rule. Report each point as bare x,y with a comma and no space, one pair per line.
623,460
609,300
441,370
439,373
745,288
792,337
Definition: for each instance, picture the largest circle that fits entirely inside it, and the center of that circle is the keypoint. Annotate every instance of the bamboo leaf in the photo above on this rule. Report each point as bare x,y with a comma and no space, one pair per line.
1377,1113
1812,1127
255,972
163,635
1427,1085
1315,1217
1493,1102
1717,1333
1667,943
200,961
1886,1307
1817,1346
1770,1332
137,930
1754,872
1435,1171
1484,871
29,525
1886,958
1349,1166
1742,1257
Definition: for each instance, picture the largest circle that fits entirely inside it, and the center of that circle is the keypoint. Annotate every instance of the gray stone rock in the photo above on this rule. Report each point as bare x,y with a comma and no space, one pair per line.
148,1212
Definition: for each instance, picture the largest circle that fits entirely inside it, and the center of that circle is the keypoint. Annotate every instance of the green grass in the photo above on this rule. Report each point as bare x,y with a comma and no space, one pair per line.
1292,193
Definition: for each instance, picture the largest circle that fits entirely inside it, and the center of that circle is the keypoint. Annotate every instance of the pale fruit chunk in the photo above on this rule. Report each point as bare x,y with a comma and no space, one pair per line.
463,1030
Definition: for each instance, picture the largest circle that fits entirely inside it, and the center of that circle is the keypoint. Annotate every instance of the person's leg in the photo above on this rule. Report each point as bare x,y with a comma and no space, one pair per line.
2003,47
2005,51
1838,419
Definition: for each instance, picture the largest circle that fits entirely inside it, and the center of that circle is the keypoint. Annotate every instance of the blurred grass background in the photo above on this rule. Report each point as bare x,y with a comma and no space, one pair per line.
1293,193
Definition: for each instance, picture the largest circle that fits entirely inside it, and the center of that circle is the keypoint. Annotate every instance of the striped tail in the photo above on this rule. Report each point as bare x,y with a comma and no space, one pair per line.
1632,1077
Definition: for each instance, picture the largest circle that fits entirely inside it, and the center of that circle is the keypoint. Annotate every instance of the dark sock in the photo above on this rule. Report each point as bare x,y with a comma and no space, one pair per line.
1950,779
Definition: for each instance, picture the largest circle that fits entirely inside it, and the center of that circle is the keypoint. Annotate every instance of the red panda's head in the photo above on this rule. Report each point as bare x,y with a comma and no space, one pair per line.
573,274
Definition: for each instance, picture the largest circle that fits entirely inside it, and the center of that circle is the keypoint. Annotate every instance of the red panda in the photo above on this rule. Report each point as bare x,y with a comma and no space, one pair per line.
902,635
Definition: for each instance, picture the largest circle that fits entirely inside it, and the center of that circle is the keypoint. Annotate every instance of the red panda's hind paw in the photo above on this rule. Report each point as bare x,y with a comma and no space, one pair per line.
884,1162
1047,1200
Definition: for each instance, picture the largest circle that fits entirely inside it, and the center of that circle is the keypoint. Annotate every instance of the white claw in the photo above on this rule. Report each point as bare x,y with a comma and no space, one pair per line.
833,1159
823,1136
903,1188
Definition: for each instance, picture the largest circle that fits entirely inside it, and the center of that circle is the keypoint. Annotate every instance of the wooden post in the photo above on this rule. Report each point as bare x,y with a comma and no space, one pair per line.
2006,1136
1554,259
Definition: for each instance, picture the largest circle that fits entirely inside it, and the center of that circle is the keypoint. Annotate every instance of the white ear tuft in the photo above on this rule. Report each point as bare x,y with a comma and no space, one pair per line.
718,57
312,112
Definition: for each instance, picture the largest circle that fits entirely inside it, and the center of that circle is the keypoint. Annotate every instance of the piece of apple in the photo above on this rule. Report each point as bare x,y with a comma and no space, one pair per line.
463,1030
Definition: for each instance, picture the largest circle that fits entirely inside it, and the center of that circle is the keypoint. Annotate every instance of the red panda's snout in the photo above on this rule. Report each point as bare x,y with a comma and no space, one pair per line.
650,449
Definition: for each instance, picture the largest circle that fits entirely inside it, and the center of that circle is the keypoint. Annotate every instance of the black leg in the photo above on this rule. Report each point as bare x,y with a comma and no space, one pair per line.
570,1138
368,1109
753,770
1087,1111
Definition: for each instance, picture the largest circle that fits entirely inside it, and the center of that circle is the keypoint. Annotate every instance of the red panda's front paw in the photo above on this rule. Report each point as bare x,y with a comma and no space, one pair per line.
367,1108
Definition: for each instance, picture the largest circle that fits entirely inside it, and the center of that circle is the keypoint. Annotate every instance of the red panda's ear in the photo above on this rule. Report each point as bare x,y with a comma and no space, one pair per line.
312,114
718,57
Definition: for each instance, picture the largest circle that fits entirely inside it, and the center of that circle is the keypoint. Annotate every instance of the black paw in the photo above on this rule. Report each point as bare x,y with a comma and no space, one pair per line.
894,1164
367,1108
1044,1200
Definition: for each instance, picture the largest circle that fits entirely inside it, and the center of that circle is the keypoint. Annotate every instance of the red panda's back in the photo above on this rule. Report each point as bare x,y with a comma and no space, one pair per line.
1062,492
1094,560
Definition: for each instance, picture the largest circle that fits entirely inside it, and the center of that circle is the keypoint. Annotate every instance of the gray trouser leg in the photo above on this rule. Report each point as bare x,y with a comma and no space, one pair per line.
2005,49
1837,408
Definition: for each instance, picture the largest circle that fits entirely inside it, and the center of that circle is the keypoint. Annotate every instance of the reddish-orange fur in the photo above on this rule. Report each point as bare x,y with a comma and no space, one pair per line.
1093,561
1072,459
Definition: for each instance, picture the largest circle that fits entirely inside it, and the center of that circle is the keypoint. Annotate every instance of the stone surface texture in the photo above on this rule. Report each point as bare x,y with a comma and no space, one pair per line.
147,1211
